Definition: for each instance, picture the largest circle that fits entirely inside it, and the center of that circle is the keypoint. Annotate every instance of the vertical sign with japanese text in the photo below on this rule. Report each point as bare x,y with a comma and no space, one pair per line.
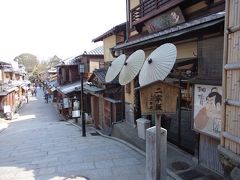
158,97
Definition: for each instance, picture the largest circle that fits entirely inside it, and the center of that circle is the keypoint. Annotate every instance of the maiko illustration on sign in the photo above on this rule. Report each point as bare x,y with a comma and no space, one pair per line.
207,109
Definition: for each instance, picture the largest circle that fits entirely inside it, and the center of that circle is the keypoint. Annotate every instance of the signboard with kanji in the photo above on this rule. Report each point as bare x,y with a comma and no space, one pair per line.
158,97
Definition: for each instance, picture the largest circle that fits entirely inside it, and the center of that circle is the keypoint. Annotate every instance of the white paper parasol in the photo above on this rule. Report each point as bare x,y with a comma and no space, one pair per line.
159,64
131,67
115,67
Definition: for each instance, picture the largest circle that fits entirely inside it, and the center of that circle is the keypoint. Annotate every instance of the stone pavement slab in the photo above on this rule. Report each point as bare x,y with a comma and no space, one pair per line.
37,145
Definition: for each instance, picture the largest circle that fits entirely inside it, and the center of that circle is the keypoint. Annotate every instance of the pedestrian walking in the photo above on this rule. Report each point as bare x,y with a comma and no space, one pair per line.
46,95
35,91
27,94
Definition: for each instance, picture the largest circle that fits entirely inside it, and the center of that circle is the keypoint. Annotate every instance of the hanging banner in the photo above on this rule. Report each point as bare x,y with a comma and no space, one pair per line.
207,109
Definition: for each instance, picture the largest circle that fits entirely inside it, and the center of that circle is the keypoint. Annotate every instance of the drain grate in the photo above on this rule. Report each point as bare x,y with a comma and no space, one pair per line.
179,165
191,174
95,134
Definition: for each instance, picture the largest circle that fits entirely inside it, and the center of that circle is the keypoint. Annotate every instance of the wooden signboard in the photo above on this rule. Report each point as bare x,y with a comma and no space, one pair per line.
158,97
166,20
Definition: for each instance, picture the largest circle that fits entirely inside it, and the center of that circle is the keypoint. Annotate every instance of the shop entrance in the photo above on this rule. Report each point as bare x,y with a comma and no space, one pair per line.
180,131
179,125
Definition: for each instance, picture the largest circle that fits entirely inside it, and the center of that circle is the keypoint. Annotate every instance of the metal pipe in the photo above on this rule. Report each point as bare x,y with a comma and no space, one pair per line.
82,112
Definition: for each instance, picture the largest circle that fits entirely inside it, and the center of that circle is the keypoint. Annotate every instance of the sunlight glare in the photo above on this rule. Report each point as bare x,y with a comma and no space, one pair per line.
26,117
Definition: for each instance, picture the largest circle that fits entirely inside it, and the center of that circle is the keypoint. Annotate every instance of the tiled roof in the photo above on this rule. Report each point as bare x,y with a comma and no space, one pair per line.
52,70
8,70
74,60
101,74
97,51
92,89
11,86
68,88
69,61
4,62
114,30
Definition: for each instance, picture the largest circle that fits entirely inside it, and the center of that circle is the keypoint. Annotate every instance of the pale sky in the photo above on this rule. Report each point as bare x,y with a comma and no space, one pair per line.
55,27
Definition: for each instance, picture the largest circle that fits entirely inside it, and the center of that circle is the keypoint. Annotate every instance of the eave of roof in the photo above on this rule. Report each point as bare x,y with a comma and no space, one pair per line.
101,74
74,59
174,31
114,30
68,88
96,52
92,89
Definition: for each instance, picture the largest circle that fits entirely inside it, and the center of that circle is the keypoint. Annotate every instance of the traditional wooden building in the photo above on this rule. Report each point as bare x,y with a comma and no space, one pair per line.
111,38
196,29
52,74
69,77
106,100
12,88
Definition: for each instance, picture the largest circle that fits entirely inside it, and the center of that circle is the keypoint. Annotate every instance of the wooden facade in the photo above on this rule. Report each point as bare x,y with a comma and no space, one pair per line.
208,153
107,107
69,79
230,136
11,99
199,62
95,111
12,88
106,104
231,125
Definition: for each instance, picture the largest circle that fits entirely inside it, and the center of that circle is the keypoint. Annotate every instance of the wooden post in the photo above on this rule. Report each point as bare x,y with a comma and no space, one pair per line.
154,173
158,144
159,98
224,80
123,102
161,149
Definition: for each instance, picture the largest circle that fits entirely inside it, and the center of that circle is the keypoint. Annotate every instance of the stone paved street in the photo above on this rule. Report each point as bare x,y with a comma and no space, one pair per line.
36,145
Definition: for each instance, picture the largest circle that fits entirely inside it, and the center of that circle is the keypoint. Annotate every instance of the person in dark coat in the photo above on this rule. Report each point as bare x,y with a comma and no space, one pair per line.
46,94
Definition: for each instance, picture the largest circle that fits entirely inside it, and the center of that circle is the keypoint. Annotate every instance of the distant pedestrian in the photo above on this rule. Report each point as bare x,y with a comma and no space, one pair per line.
26,97
46,96
35,91
27,94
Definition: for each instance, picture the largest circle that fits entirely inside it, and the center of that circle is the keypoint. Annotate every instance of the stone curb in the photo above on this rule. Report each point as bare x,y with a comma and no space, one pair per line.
169,172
